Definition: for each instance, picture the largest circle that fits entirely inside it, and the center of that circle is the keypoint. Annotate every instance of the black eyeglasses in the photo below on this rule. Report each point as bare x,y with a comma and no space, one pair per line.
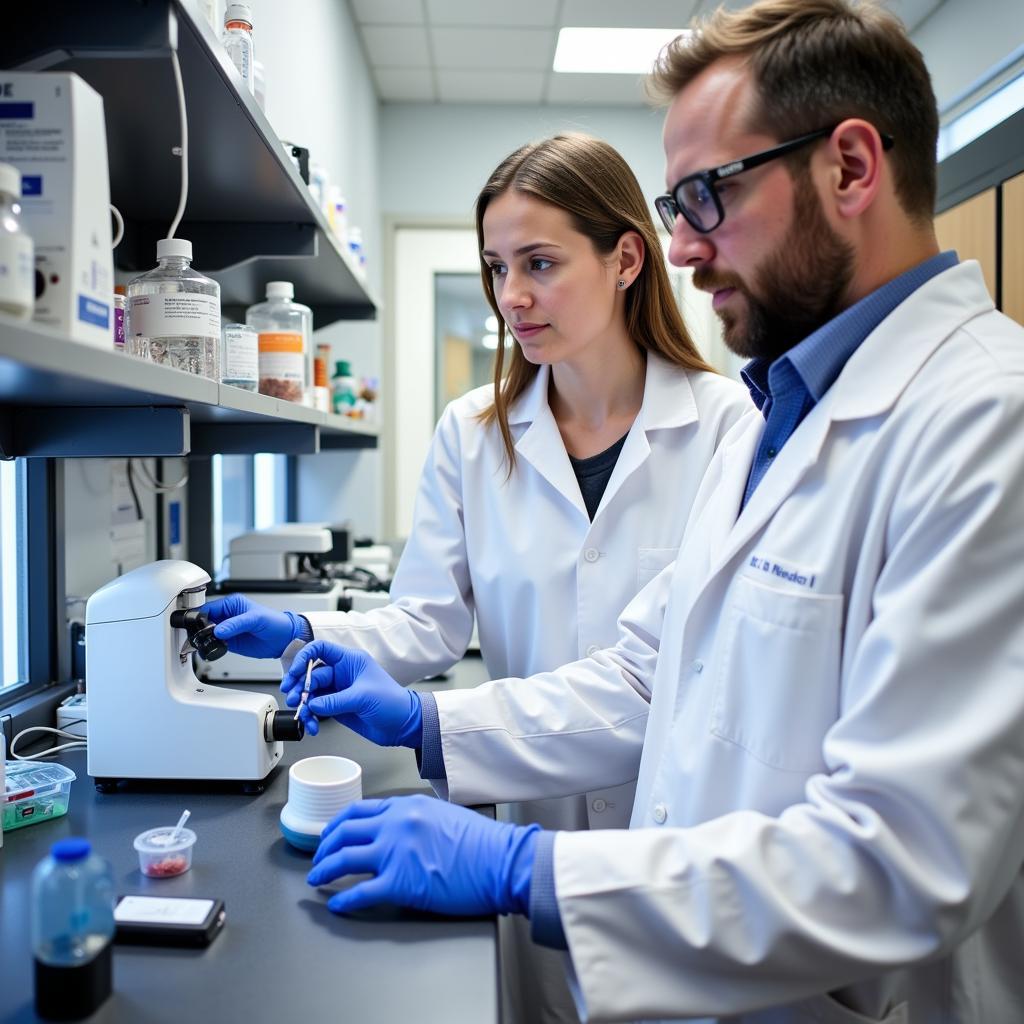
696,198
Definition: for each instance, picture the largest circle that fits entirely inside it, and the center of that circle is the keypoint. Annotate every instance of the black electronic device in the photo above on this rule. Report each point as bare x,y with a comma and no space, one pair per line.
167,920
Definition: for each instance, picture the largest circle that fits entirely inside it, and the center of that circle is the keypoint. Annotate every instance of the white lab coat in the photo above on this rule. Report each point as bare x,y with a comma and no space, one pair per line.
829,822
545,583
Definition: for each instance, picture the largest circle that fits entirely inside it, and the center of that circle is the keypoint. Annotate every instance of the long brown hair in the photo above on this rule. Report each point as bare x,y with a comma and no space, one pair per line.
818,62
593,184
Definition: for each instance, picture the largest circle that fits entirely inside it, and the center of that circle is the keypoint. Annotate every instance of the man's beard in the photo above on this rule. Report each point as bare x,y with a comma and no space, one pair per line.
799,288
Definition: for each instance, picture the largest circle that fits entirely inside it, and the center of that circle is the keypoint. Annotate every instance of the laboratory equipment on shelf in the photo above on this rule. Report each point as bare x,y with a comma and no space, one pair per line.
149,715
285,344
344,390
53,130
174,313
17,262
72,930
238,44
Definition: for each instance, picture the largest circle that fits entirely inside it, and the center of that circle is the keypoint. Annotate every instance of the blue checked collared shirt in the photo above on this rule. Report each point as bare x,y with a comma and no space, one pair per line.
789,388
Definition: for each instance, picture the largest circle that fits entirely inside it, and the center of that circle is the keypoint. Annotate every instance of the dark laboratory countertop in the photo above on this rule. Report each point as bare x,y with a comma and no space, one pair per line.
282,955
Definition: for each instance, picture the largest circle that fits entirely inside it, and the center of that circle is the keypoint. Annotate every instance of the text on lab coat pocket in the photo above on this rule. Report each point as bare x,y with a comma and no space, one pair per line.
776,689
650,561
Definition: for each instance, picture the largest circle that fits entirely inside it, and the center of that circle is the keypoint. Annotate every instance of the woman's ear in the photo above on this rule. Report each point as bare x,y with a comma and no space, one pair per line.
629,257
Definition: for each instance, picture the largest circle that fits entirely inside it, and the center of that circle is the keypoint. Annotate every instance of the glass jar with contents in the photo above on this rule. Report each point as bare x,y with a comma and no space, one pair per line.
285,338
174,313
239,356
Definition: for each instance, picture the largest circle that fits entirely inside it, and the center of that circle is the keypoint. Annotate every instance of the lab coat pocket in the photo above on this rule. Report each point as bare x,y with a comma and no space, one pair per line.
650,561
825,1009
776,688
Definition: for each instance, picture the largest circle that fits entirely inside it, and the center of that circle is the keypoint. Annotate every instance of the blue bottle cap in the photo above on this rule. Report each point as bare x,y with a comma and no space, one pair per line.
71,849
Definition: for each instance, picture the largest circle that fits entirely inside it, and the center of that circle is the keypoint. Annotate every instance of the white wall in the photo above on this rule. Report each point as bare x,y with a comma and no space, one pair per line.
319,95
434,159
962,39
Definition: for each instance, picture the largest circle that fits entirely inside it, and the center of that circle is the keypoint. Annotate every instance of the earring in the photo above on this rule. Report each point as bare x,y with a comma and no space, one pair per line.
622,284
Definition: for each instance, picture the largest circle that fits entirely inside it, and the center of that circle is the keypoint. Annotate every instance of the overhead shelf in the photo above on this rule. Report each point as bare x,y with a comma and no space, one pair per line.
250,217
63,399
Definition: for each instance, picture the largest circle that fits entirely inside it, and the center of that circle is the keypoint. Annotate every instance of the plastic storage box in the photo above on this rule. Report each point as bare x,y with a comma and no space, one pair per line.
35,792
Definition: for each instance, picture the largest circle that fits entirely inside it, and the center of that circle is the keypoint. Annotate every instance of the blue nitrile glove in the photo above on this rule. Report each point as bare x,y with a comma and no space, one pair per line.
354,690
427,854
249,628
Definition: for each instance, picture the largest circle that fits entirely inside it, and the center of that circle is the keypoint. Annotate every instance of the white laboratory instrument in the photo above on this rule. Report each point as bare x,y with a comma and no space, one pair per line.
53,130
149,716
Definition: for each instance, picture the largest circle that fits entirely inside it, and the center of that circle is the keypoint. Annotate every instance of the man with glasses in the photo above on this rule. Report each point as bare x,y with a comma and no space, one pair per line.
824,697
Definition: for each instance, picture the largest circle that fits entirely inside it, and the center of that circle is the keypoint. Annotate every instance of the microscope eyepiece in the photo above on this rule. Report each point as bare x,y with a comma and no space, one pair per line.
200,633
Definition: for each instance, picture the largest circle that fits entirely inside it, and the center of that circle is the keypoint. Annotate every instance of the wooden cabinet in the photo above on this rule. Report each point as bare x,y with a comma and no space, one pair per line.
1013,248
970,229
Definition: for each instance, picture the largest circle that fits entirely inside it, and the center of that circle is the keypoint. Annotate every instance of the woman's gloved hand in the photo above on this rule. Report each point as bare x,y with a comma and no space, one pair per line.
427,854
251,629
353,689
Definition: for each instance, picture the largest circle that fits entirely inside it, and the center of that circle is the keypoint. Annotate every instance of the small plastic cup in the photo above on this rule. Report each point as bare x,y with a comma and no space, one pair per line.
161,855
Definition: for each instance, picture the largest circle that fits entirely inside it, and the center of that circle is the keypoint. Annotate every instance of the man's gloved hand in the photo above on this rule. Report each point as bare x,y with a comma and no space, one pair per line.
249,628
353,689
427,854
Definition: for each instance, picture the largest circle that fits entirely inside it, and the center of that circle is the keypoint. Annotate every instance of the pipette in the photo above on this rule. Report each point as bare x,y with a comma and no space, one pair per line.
305,688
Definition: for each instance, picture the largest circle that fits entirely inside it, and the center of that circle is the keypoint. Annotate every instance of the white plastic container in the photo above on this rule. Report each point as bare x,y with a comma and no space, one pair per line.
237,40
285,344
174,313
239,357
318,788
17,257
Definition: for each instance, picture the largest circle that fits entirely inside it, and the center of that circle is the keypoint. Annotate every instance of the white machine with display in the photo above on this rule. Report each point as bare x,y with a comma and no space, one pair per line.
149,716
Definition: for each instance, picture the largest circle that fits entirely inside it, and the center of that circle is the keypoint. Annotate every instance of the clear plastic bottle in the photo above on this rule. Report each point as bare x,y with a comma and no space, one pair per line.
17,258
237,40
285,344
239,357
72,930
174,313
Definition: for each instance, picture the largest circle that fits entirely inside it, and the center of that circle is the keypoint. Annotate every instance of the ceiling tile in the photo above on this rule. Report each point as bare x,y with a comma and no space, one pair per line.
490,86
610,90
397,47
481,48
524,14
405,85
616,14
389,12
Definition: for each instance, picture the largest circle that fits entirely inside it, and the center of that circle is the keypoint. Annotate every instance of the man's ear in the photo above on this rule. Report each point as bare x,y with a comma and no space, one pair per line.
856,158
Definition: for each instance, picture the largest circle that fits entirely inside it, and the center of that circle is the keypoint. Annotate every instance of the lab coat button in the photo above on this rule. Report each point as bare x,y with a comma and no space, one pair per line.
599,805
591,554
660,814
592,650
698,666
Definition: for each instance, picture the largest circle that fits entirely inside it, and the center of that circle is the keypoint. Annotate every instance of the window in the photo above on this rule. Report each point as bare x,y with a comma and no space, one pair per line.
232,505
13,632
973,123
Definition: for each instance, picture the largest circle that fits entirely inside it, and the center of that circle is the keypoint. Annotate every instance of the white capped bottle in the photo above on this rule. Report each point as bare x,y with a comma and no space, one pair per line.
17,258
237,40
174,313
285,331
